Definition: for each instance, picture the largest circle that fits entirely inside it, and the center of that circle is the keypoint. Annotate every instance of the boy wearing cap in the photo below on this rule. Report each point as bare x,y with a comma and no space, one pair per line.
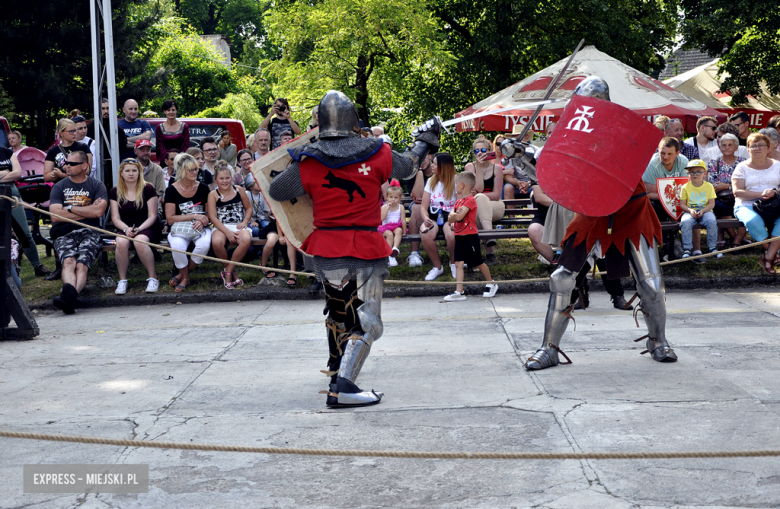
697,200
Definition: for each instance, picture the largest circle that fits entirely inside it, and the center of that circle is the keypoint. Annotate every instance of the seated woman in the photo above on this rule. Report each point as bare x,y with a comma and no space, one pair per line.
263,224
719,171
230,212
438,199
134,213
487,190
243,170
185,202
757,179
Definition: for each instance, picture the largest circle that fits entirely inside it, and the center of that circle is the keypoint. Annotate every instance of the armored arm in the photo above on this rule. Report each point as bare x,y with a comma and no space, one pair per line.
288,185
426,139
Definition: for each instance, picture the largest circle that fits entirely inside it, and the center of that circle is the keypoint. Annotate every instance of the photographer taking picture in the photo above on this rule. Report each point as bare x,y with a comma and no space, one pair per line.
280,122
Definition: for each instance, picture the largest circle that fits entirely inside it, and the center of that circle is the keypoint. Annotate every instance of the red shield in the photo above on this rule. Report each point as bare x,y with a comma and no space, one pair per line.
595,157
669,189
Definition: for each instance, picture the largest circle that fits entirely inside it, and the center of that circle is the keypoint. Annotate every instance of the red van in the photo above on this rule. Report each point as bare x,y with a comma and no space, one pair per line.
204,127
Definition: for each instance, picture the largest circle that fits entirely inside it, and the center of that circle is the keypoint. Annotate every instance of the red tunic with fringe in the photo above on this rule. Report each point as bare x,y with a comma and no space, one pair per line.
346,203
635,218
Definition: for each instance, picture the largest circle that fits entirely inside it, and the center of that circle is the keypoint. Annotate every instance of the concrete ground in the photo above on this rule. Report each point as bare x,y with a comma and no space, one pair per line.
247,373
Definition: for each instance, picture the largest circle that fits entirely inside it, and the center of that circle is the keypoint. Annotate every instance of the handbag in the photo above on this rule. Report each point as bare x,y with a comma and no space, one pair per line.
726,196
769,210
185,230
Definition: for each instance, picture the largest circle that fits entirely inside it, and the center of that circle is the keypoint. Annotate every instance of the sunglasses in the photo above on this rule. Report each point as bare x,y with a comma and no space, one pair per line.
72,163
478,150
130,160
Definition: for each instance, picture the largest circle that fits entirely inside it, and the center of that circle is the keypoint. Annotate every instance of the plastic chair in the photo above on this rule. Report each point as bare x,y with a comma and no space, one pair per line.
34,191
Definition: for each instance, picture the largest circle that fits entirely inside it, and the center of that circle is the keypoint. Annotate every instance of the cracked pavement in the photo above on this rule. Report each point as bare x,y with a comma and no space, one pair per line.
247,373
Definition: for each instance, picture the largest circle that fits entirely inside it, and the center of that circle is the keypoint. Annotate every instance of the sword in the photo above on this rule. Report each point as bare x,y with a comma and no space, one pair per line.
553,86
485,113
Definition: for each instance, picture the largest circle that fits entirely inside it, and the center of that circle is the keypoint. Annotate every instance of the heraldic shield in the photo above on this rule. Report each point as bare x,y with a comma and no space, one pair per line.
669,189
595,157
295,217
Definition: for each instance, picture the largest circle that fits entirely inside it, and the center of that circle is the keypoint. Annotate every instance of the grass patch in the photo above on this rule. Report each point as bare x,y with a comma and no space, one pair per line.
516,260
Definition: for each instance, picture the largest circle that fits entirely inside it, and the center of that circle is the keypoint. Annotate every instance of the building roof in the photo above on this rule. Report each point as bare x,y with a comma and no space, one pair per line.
682,61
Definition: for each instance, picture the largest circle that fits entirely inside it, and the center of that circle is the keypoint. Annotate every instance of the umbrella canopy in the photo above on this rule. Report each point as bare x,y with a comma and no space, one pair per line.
628,87
702,84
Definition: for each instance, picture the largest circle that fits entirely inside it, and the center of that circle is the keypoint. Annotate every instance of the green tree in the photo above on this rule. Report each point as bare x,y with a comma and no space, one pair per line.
362,47
239,106
747,35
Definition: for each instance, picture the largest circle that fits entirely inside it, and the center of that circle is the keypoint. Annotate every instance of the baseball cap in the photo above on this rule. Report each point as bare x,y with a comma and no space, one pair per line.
696,163
143,143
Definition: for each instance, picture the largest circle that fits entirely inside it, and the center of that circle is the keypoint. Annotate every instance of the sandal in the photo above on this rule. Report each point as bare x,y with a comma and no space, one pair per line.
269,274
767,265
292,280
181,286
236,281
721,244
174,282
224,275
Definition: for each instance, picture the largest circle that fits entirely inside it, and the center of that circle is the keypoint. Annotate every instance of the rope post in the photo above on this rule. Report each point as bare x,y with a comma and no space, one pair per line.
12,304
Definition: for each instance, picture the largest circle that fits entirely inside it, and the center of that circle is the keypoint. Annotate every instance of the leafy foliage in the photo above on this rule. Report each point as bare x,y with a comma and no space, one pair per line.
746,33
239,106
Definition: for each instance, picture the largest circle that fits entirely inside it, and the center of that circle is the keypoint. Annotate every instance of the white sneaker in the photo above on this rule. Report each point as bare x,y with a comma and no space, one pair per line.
152,285
415,260
392,262
454,271
490,290
454,296
395,252
718,255
434,273
121,287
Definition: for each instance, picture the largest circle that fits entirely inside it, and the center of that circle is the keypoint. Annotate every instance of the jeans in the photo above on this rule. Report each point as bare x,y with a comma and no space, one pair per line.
710,224
755,223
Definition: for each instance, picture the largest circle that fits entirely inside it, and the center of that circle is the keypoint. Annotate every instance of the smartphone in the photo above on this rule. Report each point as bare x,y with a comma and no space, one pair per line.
490,156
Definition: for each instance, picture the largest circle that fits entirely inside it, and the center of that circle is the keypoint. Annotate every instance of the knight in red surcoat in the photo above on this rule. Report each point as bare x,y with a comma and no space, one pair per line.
343,174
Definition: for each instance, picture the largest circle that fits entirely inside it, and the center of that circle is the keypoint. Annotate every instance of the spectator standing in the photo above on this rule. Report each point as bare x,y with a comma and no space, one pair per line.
661,121
417,185
674,128
262,142
230,212
211,156
742,121
697,199
134,205
286,137
467,246
489,178
10,172
315,118
15,141
377,131
774,123
243,172
172,133
719,172
54,166
85,200
81,137
105,152
438,200
227,150
667,162
758,179
278,121
152,172
135,129
169,175
706,129
203,175
185,202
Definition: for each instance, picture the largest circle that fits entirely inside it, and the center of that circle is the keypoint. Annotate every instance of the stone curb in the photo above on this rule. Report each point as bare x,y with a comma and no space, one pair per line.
256,293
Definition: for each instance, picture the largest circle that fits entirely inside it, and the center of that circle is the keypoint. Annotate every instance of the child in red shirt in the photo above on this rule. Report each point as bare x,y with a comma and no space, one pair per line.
467,246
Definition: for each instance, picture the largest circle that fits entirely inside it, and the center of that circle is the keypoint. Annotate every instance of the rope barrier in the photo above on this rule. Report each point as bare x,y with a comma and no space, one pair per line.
16,202
392,454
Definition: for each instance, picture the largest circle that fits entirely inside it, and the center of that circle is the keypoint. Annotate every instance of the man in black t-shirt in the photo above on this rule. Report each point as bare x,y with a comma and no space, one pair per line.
82,199
282,122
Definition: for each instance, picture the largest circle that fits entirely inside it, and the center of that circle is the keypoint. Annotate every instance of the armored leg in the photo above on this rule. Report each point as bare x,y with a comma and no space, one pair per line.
562,282
361,327
646,268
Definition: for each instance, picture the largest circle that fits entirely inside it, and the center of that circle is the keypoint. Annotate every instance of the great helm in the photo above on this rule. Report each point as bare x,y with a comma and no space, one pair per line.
593,86
338,116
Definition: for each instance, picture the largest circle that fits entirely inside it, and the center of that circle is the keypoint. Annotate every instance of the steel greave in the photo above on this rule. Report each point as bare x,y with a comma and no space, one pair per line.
562,282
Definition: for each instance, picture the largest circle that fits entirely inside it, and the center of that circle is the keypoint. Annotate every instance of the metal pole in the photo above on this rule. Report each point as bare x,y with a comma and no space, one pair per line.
97,112
111,86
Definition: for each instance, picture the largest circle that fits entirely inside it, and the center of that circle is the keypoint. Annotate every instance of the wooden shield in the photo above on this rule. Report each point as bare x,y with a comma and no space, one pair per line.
669,189
294,217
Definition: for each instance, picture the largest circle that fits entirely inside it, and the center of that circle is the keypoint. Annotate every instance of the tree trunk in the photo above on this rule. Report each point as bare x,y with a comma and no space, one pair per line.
361,89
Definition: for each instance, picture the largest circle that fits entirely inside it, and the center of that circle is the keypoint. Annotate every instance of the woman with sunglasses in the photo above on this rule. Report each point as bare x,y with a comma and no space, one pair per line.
53,170
487,190
185,201
438,200
172,133
754,180
134,214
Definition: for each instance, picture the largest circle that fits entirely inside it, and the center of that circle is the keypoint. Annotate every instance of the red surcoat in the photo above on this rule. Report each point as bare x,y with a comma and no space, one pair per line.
635,218
347,197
